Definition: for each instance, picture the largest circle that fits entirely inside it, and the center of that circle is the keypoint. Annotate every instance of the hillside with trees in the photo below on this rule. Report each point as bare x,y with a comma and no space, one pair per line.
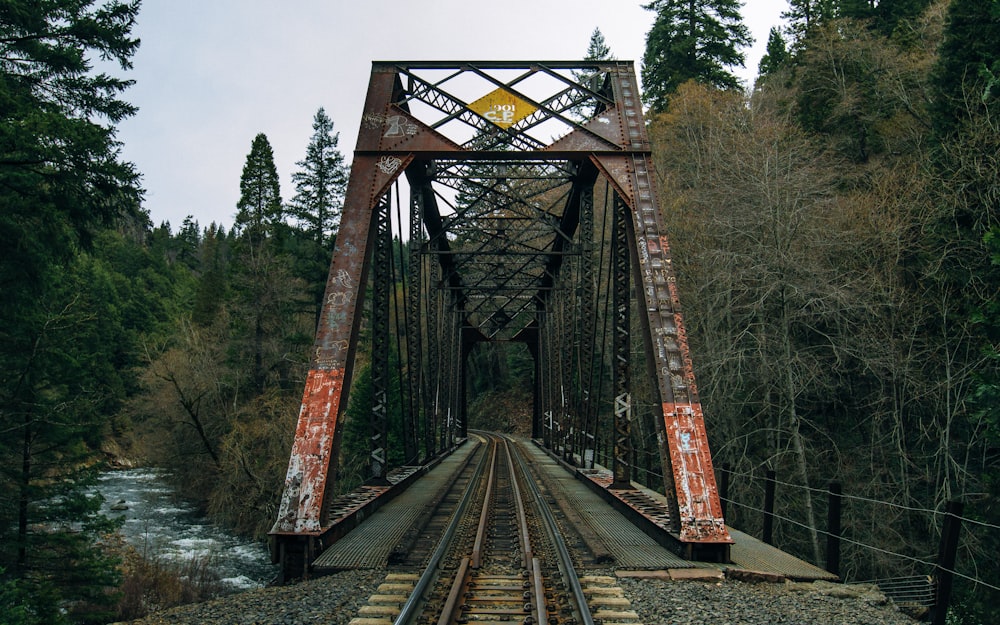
835,232
835,229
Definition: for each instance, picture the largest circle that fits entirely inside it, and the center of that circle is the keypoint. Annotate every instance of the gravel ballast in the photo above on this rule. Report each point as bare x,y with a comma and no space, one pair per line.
335,600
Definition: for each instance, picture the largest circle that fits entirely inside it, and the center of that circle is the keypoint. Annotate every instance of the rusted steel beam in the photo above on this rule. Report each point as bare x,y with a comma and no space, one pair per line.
303,506
685,442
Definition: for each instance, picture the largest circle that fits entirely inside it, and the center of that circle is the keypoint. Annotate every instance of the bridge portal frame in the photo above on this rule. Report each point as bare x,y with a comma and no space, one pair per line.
607,140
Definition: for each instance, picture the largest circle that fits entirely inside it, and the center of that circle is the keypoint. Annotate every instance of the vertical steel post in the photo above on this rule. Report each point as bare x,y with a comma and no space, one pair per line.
563,361
622,346
435,366
456,365
450,356
545,381
379,425
587,320
414,344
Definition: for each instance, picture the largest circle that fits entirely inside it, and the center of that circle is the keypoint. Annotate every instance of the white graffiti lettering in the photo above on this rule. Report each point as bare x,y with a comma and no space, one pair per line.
389,164
399,126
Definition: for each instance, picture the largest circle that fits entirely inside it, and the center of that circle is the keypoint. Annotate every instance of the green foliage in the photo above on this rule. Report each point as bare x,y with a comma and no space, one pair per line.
862,92
597,47
259,209
500,378
692,40
894,14
15,606
839,277
59,166
355,448
776,55
69,320
71,363
213,261
803,16
597,50
967,58
320,184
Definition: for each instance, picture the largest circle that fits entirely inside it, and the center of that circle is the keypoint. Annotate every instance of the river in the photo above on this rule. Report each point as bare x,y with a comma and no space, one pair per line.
159,523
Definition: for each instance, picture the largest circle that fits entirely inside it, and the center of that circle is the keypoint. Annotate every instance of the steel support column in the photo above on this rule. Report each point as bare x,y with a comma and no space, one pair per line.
622,345
379,421
414,330
587,329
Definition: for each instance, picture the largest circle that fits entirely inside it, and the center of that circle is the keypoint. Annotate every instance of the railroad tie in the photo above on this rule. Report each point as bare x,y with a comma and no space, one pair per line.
383,606
607,601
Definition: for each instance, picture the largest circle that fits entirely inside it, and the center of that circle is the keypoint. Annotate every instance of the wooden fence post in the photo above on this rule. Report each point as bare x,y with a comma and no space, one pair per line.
768,532
833,529
724,488
946,560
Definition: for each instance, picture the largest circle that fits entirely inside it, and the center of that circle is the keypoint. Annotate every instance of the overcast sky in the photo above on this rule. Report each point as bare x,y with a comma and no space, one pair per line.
211,74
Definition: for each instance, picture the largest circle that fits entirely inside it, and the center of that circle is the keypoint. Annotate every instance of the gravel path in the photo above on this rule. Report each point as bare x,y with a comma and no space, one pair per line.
335,599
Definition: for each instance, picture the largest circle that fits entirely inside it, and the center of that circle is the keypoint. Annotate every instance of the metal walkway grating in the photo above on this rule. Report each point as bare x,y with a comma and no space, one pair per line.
751,554
369,545
630,546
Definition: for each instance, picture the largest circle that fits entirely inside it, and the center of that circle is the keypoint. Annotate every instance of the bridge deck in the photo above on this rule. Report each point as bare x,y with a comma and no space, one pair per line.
370,544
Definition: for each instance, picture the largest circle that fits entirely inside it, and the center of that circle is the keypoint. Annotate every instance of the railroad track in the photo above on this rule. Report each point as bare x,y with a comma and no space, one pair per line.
502,558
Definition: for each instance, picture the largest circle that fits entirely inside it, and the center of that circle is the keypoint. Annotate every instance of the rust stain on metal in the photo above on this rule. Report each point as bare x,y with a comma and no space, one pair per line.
305,481
697,496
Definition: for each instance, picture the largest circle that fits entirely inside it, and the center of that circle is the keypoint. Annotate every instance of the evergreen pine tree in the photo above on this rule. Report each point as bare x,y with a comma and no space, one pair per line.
692,39
889,13
597,50
262,284
259,209
856,9
804,15
188,241
320,183
969,60
775,56
63,348
211,289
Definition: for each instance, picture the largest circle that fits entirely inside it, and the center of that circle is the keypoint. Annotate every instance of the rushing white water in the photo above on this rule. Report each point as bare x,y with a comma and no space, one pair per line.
159,524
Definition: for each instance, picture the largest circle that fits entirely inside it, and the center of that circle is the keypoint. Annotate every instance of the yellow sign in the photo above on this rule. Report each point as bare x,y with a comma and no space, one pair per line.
503,108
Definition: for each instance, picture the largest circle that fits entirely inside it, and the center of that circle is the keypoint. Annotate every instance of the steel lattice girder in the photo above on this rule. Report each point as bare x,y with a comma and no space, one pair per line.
471,128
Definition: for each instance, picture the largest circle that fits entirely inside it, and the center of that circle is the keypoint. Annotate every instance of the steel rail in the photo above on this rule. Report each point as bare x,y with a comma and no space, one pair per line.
522,518
565,561
484,515
409,612
463,585
531,563
451,603
460,586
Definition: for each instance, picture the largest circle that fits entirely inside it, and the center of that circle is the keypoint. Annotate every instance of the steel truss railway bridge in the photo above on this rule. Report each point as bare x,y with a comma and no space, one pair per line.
526,197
